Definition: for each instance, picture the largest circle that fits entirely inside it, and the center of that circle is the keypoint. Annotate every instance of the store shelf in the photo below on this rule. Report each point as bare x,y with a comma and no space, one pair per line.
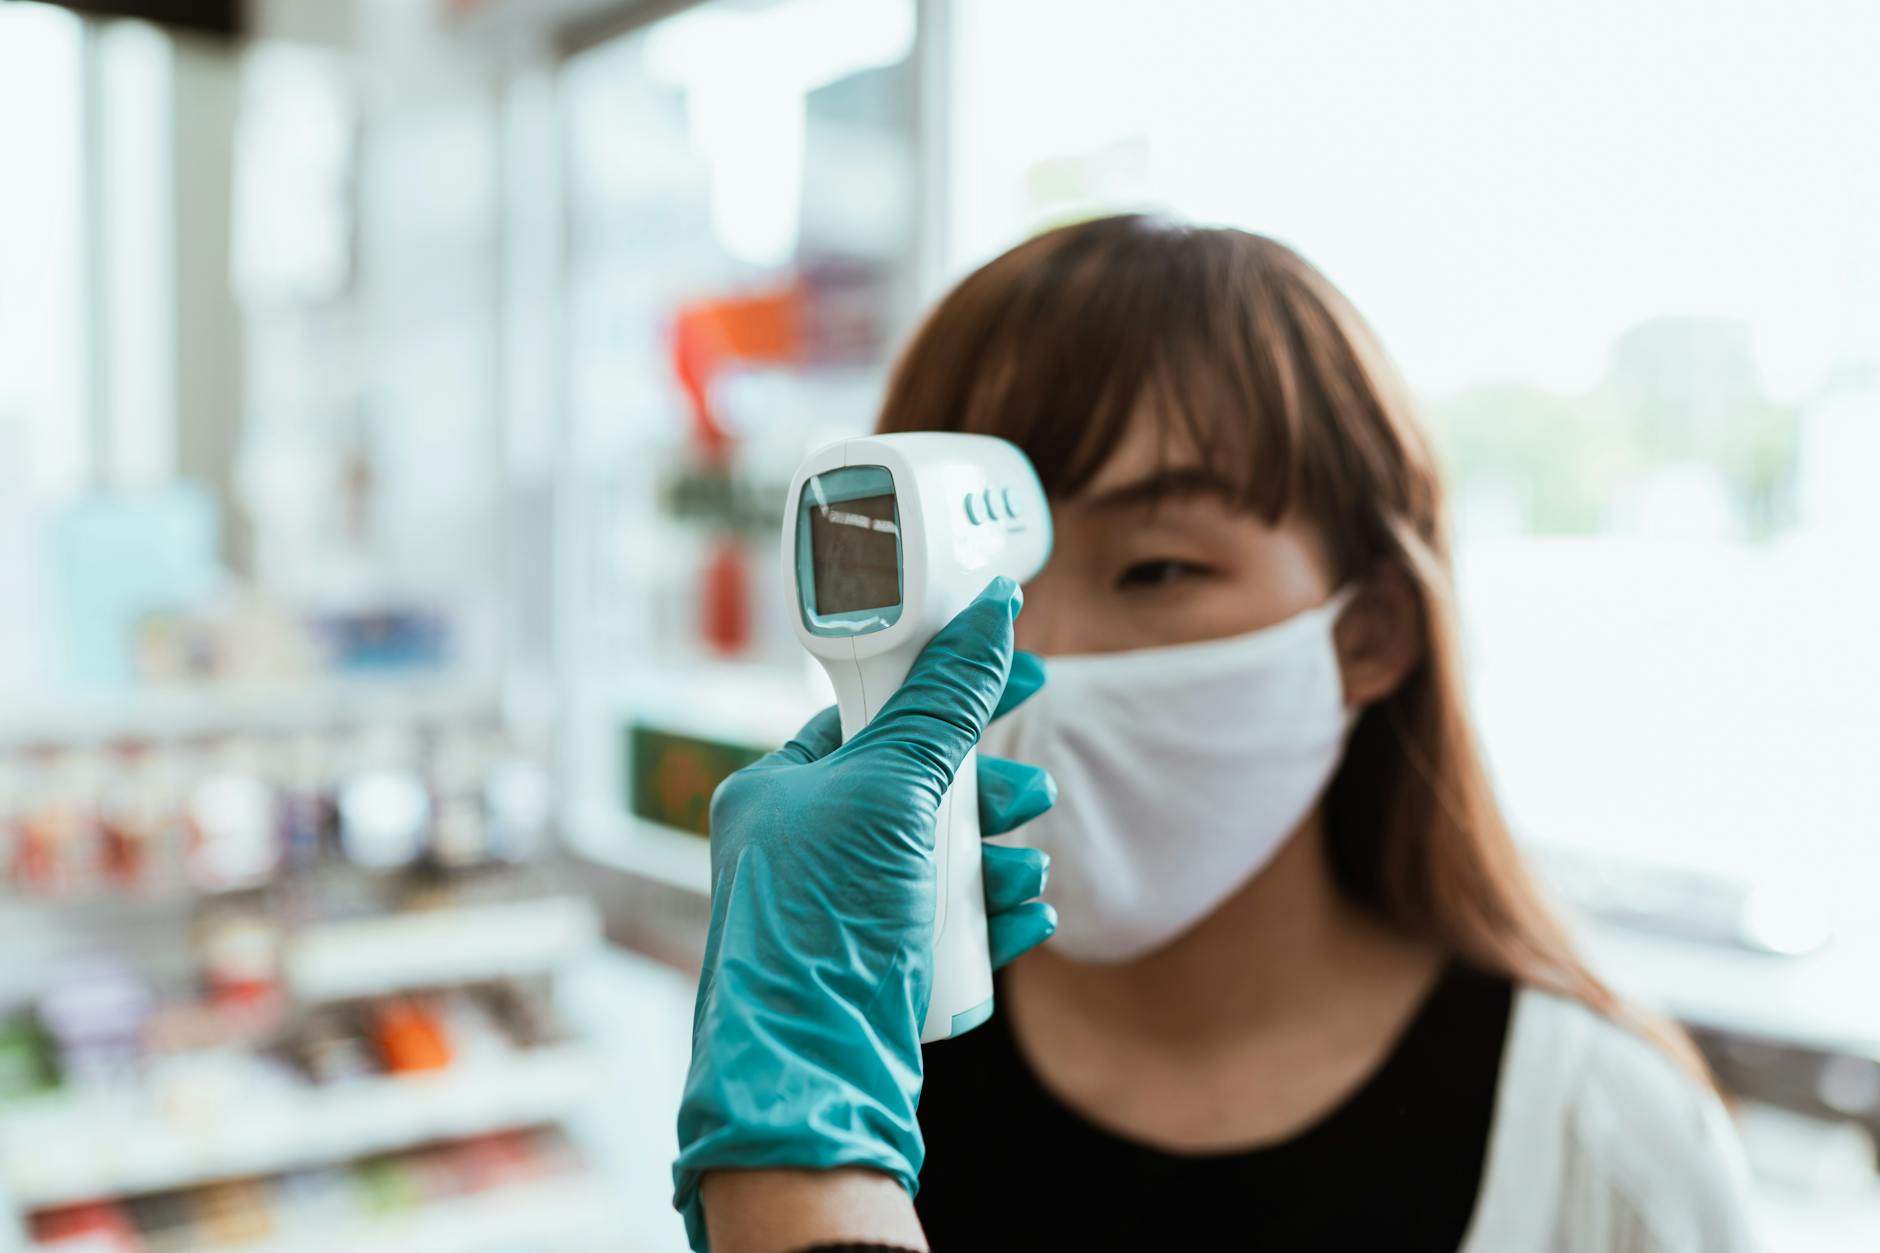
464,944
194,710
89,1146
549,1214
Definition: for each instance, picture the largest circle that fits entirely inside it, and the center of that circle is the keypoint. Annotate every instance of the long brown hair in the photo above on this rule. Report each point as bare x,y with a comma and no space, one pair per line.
1257,361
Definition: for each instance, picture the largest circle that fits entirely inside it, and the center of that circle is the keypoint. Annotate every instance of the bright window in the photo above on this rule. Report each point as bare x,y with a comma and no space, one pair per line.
1627,257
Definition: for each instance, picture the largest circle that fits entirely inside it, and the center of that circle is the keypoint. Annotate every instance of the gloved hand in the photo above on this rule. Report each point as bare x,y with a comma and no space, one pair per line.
819,958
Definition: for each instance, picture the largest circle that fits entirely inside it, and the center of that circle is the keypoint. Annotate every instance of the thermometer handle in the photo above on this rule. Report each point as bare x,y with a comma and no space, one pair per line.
962,956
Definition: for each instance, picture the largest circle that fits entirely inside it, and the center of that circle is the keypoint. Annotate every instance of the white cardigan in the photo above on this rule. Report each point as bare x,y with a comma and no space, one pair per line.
1600,1144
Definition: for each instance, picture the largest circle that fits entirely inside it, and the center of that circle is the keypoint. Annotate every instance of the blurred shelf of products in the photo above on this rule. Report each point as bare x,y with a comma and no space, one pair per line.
348,668
516,1187
290,985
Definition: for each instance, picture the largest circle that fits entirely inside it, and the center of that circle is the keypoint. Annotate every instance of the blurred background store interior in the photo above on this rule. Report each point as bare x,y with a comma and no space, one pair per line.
396,402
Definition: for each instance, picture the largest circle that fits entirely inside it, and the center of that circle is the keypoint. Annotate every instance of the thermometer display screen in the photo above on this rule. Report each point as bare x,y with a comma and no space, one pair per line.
852,547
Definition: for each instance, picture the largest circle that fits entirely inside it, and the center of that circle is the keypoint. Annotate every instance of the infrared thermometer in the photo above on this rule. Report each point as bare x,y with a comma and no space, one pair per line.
889,537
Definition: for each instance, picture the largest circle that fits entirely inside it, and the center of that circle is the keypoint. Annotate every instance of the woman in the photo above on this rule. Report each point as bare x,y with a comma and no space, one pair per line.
1304,995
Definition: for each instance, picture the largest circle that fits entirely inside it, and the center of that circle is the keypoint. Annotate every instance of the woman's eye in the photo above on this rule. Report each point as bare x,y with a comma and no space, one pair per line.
1152,574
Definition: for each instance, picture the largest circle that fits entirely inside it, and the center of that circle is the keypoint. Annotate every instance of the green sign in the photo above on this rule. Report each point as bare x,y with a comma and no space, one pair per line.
671,777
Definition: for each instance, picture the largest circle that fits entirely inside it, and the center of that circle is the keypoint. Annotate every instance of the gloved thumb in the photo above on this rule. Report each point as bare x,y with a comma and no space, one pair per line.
949,694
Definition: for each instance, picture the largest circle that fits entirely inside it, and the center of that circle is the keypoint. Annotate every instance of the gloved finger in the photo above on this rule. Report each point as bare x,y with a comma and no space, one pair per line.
1018,931
819,737
1026,678
1013,876
951,690
1011,794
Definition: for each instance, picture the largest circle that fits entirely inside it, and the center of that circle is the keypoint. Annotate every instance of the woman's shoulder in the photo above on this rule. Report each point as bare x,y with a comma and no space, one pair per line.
1637,1150
1618,1083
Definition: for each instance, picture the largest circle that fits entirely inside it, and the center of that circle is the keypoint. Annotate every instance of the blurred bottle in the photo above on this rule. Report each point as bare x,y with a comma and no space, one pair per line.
384,807
725,598
332,1046
518,797
304,768
232,813
145,827
59,837
95,1010
239,955
460,834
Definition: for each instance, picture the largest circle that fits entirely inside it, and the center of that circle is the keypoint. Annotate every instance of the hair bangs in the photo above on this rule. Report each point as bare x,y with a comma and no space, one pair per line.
1065,342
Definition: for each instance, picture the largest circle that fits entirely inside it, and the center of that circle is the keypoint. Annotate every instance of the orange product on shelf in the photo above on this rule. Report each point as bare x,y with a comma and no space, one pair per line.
712,335
410,1036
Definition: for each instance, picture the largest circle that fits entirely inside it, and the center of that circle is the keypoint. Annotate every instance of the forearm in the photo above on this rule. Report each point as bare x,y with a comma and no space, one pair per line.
780,1211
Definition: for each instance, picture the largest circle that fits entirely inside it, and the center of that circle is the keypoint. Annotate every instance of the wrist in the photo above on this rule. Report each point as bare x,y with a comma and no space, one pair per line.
761,1211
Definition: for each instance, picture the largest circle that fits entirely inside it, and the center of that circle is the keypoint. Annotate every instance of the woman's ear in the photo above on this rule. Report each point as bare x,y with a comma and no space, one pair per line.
1379,636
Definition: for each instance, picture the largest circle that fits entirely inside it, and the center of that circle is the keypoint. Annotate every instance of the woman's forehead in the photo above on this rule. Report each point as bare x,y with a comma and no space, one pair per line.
1150,444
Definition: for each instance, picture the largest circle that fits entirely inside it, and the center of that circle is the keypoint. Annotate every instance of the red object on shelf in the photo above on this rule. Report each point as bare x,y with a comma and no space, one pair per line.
96,1227
726,607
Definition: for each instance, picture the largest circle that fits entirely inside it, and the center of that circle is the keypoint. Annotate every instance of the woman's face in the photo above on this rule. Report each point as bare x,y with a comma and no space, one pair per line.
1154,552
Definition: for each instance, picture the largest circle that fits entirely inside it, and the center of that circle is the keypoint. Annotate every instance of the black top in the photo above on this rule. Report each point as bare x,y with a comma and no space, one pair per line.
1396,1166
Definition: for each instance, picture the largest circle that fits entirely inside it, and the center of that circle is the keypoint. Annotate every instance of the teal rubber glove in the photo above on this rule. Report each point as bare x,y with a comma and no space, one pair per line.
818,961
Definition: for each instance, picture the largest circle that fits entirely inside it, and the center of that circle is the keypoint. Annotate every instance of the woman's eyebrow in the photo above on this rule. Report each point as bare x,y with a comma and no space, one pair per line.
1175,482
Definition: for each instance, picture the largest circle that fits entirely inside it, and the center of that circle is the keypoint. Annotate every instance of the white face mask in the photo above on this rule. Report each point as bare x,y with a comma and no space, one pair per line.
1180,773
